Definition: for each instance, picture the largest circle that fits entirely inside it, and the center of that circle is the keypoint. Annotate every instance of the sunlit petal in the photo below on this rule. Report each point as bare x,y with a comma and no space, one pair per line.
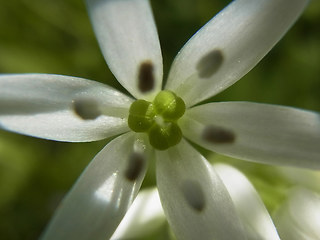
61,108
195,201
256,132
229,46
129,42
102,195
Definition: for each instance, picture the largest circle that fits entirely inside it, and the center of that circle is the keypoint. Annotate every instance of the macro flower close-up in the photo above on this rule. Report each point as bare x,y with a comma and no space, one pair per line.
163,121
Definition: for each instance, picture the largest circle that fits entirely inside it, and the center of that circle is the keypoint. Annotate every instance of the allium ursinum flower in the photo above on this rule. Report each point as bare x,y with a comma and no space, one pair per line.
157,123
298,218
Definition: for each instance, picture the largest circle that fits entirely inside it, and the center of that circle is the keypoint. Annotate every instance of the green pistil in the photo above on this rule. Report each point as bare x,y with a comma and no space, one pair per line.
169,105
158,119
141,116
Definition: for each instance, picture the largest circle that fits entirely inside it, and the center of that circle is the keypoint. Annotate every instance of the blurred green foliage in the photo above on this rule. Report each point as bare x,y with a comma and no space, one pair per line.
55,36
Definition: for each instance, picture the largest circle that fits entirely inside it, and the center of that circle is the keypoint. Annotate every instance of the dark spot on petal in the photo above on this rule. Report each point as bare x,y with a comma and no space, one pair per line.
216,134
86,108
146,79
193,194
135,166
210,63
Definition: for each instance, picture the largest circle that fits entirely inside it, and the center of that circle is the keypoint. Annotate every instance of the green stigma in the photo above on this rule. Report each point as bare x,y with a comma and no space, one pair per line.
158,119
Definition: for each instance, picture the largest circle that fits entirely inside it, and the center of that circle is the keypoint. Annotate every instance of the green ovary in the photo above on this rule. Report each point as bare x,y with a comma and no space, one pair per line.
158,119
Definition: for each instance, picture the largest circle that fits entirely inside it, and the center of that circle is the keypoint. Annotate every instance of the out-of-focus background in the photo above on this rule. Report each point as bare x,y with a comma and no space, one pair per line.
55,36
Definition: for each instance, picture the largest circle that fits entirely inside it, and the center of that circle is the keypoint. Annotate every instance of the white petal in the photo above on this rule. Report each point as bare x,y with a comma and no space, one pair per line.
128,38
100,198
299,217
261,132
144,216
42,105
230,45
248,204
194,199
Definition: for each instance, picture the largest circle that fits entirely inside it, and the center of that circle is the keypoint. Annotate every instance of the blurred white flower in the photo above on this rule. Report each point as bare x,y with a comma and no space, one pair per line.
143,218
303,177
250,208
196,202
298,218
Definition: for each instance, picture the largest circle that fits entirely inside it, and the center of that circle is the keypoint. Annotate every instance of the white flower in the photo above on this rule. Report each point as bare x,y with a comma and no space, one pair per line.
299,216
196,202
144,217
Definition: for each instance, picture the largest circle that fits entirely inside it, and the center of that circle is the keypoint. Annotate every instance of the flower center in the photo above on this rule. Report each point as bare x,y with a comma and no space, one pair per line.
158,119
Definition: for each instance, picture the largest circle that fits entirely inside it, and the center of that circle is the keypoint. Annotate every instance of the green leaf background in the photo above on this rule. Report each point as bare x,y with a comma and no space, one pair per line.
55,36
